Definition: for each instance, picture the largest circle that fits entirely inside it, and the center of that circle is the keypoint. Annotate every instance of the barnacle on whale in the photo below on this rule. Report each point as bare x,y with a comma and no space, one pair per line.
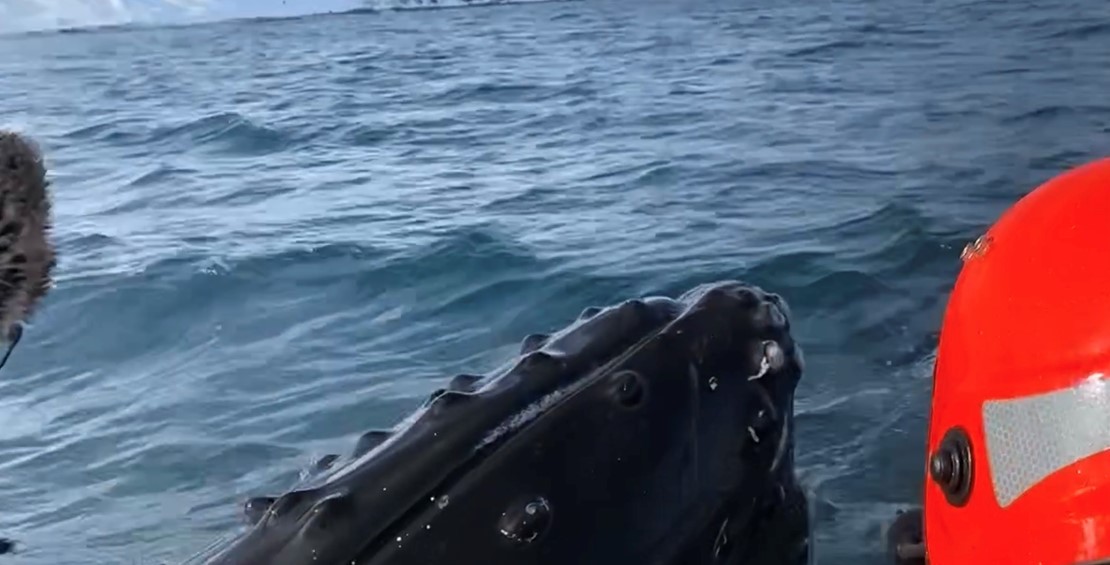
633,435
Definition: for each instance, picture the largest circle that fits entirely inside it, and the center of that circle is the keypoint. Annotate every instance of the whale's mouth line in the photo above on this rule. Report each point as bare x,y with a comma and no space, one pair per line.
538,409
784,442
783,413
777,414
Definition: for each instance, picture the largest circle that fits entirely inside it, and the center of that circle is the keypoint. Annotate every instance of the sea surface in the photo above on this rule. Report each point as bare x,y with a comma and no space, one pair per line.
277,234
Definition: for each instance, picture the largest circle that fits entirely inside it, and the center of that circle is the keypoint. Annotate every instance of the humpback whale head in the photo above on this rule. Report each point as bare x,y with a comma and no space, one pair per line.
656,431
27,255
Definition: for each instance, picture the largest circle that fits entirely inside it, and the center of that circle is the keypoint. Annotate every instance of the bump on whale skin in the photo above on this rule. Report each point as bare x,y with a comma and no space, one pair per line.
656,431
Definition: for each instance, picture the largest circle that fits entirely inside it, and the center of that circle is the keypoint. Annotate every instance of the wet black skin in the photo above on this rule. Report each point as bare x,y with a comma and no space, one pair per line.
635,436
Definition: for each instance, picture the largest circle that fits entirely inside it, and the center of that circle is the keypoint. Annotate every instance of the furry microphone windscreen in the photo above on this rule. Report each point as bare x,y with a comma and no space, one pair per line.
27,254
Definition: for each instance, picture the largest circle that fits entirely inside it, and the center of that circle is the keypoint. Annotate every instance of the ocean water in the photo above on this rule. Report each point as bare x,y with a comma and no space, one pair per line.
276,234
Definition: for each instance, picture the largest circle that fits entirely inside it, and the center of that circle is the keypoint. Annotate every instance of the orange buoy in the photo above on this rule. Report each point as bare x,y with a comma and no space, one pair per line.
1019,429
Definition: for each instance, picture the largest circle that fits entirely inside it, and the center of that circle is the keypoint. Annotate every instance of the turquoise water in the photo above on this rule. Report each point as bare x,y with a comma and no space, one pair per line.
276,234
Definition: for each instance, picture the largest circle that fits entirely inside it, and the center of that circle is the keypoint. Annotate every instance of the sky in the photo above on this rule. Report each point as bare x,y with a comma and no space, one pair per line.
27,15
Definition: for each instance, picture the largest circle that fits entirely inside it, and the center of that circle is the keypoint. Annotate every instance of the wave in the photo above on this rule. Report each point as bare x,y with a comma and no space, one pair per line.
227,133
398,5
124,23
180,301
1041,114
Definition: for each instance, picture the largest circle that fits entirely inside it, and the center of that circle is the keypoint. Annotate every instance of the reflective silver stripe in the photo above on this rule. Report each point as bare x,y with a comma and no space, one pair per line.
1029,438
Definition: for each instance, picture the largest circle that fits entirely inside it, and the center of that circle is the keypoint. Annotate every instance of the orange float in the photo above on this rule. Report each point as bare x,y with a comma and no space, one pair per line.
1019,428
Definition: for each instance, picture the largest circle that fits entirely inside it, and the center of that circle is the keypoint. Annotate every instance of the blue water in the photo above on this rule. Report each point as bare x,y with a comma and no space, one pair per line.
277,234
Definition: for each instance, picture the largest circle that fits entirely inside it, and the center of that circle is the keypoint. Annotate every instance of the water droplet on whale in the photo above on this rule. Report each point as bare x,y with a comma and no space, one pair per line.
524,523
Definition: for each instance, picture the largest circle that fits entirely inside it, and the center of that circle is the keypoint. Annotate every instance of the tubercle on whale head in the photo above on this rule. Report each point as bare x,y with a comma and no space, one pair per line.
665,423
